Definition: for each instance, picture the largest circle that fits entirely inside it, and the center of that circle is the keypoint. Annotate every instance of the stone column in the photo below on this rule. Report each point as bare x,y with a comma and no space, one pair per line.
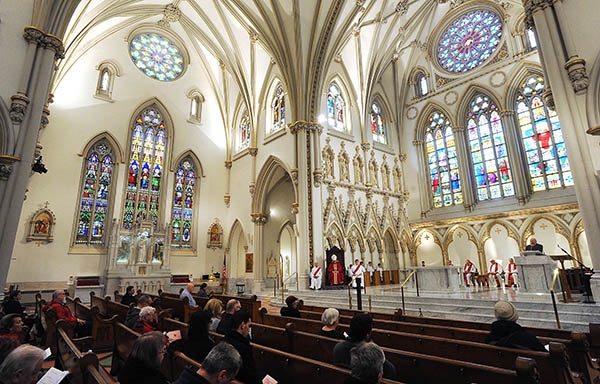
48,23
227,196
424,187
518,162
466,178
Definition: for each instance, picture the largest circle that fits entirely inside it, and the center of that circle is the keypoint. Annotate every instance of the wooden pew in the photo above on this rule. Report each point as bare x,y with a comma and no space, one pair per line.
102,332
124,339
178,363
98,302
249,303
180,308
118,309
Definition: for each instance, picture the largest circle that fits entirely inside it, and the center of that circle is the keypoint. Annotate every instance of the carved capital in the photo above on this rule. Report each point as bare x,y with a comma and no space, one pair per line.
18,107
36,36
253,37
418,143
307,126
228,164
259,218
227,199
6,168
172,13
533,6
402,156
251,188
365,146
294,174
549,98
253,151
295,209
506,113
595,131
317,177
458,129
577,74
44,120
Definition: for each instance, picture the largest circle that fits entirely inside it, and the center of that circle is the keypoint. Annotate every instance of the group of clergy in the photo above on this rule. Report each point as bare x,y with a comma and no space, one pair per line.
336,276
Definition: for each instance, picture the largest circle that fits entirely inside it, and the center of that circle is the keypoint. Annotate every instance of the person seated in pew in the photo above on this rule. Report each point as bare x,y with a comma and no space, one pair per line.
143,364
239,337
380,270
198,343
331,319
7,345
147,321
220,366
507,333
215,308
202,292
134,312
291,310
232,307
187,293
11,326
22,365
367,364
361,326
59,305
129,296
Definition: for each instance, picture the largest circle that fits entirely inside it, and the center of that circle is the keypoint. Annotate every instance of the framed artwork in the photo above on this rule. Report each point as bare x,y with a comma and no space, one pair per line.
249,262
41,226
215,235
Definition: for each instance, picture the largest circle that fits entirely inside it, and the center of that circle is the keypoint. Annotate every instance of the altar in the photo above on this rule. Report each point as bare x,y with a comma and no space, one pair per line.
436,278
535,273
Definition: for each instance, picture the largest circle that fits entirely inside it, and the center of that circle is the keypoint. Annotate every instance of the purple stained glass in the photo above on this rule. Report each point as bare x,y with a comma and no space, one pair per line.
469,40
183,200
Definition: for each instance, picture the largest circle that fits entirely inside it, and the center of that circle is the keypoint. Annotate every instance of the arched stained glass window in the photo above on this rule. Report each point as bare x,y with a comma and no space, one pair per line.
443,164
146,163
421,85
487,145
542,137
244,132
335,108
377,125
93,205
183,202
278,109
469,41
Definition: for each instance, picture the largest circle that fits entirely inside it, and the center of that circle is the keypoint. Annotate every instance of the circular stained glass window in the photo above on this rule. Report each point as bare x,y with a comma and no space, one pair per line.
156,56
469,41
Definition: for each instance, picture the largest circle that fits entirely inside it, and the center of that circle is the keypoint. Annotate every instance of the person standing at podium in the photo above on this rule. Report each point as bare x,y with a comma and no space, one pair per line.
534,246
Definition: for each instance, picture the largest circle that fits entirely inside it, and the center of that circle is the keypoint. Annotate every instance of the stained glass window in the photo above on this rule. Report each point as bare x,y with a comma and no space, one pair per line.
93,205
443,164
335,108
377,125
146,166
278,109
156,56
469,41
183,201
491,168
542,137
244,132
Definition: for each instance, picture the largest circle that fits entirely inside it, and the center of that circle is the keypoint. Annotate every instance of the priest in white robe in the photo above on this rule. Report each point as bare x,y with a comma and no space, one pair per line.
316,276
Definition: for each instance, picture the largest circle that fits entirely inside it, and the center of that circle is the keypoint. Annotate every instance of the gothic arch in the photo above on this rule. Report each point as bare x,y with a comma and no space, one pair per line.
112,141
190,154
519,75
449,236
429,108
335,239
512,231
237,245
354,237
169,127
559,227
465,99
264,179
373,239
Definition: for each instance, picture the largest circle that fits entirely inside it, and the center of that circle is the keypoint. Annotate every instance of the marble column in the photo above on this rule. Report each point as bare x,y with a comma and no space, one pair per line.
518,162
466,176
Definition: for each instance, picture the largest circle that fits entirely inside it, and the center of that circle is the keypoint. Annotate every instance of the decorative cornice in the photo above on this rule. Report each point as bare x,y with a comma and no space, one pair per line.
577,74
259,218
18,107
533,6
6,167
302,125
45,40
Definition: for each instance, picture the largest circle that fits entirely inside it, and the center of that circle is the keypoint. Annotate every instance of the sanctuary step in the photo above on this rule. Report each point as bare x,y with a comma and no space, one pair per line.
535,310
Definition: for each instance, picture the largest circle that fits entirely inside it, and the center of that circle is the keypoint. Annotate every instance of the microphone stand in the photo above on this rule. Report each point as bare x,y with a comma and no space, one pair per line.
587,295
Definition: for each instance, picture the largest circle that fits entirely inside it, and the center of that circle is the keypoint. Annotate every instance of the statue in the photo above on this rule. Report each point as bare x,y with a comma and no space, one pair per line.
142,247
358,172
373,180
396,174
328,164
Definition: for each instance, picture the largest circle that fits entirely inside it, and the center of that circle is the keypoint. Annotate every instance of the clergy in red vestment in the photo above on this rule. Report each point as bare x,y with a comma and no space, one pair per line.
335,272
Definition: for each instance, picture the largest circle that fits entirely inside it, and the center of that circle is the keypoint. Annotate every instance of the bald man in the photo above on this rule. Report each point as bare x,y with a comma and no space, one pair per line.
534,246
187,292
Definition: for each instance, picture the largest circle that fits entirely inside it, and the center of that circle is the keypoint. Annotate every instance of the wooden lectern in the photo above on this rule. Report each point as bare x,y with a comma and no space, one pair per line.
563,278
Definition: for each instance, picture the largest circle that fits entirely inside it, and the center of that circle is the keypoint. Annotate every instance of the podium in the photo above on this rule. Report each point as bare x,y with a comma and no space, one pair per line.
566,290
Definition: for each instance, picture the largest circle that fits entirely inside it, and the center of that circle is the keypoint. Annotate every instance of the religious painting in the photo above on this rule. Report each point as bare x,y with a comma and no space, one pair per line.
41,226
249,262
215,235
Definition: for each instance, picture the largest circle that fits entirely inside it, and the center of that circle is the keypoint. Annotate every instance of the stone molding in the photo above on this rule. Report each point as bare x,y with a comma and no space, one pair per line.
302,125
45,40
577,74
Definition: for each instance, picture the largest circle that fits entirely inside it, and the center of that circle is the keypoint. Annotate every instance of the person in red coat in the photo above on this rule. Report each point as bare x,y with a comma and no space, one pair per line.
335,272
147,321
58,304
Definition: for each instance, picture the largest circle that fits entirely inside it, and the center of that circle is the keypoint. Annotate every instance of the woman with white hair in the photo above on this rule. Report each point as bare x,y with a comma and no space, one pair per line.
22,365
331,319
147,321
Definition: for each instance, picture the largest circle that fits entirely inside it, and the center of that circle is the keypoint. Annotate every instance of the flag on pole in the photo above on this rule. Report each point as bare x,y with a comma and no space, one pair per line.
224,275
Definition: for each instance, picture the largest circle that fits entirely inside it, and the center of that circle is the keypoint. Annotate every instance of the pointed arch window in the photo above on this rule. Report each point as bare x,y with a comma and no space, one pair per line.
378,128
444,175
542,138
94,200
531,40
278,109
244,132
487,144
146,166
335,108
107,71
183,202
421,85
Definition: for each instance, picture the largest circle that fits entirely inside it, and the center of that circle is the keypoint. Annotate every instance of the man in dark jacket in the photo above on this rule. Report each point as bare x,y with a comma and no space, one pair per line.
220,366
291,310
134,312
239,338
129,296
232,307
361,326
507,333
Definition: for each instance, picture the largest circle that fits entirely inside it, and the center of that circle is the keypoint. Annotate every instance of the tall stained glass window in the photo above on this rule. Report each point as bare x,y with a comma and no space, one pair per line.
491,167
542,138
469,41
377,125
335,108
244,132
443,164
156,56
278,109
146,166
183,202
93,205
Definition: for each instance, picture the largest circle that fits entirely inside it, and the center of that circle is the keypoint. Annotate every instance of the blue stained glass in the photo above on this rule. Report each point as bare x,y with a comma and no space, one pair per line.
156,56
183,201
469,41
335,108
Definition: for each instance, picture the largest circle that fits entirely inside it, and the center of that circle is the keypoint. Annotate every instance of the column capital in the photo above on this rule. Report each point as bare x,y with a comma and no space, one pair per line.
259,218
308,126
418,143
577,74
458,129
6,167
252,151
533,6
228,164
45,40
507,113
365,146
18,107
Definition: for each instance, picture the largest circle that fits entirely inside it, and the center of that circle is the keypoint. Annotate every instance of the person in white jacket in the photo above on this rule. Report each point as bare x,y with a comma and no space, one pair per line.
316,276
